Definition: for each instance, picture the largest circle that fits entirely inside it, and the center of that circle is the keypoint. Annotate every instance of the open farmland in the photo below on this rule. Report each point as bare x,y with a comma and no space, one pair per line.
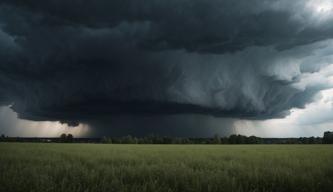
109,167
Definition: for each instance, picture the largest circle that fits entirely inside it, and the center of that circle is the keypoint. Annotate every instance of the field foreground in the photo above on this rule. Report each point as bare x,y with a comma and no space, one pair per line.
101,167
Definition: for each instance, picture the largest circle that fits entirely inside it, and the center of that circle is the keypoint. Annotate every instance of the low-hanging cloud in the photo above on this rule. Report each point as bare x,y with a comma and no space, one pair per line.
81,60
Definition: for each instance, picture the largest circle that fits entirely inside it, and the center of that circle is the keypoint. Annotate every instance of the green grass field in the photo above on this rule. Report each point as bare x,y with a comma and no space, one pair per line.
101,167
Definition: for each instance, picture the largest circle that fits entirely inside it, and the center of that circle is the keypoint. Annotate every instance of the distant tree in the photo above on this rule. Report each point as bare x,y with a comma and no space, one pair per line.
127,139
216,139
328,137
310,140
135,140
66,138
69,138
252,140
225,140
3,137
318,140
176,140
186,141
63,137
232,139
148,139
167,140
104,139
154,139
107,140
241,139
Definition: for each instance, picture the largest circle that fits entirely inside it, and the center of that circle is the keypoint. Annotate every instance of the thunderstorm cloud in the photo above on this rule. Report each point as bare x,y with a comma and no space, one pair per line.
90,61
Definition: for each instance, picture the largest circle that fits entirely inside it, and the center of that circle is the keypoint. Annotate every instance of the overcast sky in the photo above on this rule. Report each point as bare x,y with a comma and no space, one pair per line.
175,68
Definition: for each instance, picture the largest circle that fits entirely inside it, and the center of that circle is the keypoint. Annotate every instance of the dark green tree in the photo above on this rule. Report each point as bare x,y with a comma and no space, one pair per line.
216,139
63,137
66,138
107,140
233,139
328,137
69,138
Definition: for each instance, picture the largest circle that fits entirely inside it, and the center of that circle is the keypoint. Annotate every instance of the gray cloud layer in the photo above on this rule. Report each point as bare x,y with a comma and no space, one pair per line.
78,60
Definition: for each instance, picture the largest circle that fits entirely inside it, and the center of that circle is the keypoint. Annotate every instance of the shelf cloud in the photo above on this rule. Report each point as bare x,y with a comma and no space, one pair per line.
82,61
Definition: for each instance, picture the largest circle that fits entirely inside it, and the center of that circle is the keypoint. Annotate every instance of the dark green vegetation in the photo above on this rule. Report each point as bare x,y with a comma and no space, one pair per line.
328,137
102,167
155,139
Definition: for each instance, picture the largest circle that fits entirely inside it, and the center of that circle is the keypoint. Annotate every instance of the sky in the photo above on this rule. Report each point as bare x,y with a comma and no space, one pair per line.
187,68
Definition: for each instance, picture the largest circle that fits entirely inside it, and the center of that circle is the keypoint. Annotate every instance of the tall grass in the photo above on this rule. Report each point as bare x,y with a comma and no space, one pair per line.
97,167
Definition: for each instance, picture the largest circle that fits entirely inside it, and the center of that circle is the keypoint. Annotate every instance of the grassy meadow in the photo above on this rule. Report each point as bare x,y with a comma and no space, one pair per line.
108,167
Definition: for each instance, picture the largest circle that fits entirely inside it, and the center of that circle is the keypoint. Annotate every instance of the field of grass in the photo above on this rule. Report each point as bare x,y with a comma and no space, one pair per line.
101,167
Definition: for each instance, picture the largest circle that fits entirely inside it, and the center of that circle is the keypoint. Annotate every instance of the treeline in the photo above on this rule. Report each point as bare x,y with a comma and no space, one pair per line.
155,139
63,138
233,139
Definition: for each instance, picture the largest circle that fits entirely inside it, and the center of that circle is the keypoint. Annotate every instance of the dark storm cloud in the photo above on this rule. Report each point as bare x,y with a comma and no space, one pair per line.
196,25
79,60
